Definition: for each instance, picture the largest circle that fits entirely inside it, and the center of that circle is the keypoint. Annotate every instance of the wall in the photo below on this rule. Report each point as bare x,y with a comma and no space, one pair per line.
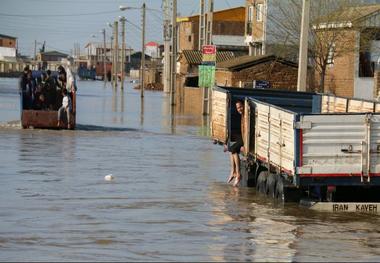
340,76
7,52
186,36
226,22
8,42
279,75
363,88
223,78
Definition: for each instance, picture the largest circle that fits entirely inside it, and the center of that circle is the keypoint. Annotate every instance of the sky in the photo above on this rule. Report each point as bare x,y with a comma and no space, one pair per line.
62,23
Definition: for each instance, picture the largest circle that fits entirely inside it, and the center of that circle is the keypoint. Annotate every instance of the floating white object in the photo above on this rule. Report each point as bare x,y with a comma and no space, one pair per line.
108,177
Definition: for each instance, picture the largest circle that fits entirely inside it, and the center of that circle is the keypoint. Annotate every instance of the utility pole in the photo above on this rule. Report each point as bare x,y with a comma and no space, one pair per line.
202,24
143,52
210,15
302,64
122,20
167,39
112,60
174,54
35,50
209,25
116,52
104,56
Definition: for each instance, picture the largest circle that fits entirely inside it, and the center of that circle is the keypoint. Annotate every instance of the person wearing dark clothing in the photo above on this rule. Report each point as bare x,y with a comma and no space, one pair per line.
39,103
235,148
50,91
22,88
30,90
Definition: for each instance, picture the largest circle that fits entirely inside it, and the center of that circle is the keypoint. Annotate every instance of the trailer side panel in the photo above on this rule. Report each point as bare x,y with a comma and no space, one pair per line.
219,116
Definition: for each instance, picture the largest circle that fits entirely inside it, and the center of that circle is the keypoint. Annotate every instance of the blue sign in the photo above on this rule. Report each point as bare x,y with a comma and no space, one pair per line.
261,84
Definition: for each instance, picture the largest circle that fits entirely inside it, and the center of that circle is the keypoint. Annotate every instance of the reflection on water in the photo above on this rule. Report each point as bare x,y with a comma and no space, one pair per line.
168,201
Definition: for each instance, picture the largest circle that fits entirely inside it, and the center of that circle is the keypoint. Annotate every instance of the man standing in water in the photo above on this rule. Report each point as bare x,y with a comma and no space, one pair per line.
235,148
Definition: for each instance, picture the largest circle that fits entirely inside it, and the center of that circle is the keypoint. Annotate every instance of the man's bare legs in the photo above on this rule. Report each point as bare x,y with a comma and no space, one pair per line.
236,160
233,168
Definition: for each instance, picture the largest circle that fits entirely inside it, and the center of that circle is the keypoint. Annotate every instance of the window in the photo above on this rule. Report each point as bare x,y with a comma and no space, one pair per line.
330,55
366,66
259,12
250,14
189,38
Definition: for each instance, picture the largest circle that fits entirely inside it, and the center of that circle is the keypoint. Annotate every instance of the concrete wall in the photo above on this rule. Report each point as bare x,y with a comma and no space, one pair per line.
7,52
363,88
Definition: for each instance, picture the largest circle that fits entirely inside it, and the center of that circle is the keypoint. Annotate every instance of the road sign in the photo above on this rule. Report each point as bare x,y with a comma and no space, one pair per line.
209,53
206,76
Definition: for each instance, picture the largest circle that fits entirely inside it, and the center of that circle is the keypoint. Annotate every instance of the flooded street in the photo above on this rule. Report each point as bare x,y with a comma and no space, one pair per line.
168,200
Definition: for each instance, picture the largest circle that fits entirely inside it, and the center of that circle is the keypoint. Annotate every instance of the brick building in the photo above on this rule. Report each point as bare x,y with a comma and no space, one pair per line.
227,30
355,51
243,71
8,45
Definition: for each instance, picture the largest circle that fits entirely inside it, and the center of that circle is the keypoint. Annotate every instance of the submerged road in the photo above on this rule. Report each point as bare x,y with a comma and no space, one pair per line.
168,200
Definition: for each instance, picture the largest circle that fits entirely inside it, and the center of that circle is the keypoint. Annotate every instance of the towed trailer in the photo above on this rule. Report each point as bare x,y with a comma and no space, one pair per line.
45,118
304,145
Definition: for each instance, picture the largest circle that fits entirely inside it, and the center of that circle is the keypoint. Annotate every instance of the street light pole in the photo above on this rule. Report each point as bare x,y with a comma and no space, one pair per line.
143,52
116,52
122,20
104,56
174,54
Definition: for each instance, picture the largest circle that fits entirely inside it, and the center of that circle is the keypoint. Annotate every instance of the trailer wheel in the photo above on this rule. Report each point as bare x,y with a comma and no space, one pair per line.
270,185
279,189
261,182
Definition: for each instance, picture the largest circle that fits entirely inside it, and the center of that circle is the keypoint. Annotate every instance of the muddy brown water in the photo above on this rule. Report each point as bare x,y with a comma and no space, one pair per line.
168,200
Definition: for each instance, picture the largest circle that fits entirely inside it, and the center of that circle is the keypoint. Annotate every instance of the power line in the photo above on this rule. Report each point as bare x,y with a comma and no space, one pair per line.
60,15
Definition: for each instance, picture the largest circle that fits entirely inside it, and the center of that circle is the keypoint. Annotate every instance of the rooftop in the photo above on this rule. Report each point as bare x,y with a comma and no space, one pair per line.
194,57
54,53
347,16
249,61
6,36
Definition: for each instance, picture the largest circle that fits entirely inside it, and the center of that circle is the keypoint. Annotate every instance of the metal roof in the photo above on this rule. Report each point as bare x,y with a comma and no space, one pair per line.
194,57
249,61
5,36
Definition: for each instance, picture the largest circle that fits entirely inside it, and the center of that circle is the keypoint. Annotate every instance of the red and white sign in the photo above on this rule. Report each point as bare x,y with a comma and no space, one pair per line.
208,49
209,53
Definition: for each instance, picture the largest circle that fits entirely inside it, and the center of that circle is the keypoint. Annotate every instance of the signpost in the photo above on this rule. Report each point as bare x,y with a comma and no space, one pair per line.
261,84
207,75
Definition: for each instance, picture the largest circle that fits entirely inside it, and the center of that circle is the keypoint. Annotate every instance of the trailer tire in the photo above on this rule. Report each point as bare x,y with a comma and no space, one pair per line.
270,185
279,189
261,182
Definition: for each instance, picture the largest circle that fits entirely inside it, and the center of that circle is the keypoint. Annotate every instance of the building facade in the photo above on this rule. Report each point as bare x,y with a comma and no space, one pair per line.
267,28
8,48
354,53
246,71
227,30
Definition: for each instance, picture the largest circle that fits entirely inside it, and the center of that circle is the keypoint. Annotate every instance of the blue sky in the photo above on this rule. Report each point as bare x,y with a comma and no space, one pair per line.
61,23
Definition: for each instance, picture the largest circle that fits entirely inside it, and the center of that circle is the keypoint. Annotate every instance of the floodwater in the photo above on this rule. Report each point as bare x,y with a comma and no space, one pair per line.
168,200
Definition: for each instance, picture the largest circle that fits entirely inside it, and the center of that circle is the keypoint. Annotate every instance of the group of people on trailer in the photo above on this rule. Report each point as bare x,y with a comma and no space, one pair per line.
49,92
